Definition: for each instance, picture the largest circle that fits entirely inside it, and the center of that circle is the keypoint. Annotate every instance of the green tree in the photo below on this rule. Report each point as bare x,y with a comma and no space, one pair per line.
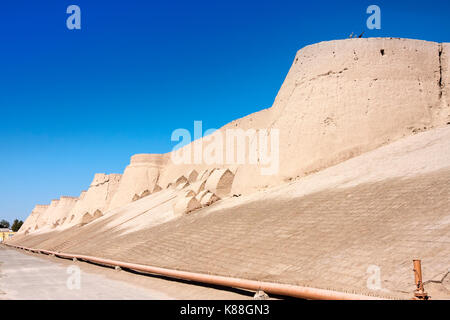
4,224
16,225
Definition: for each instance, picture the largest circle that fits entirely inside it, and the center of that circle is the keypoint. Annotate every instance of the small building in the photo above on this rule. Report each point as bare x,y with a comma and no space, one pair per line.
5,234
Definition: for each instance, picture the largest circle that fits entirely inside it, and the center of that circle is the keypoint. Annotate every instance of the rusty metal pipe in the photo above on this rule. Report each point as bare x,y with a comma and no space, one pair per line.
419,293
268,287
418,273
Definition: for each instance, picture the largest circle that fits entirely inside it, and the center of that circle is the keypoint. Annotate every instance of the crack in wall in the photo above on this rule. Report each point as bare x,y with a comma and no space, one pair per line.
100,183
329,73
438,281
441,85
107,191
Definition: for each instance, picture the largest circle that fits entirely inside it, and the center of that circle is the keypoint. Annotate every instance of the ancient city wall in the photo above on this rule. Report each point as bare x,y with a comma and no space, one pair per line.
339,99
343,98
65,205
30,223
445,81
44,218
142,174
96,199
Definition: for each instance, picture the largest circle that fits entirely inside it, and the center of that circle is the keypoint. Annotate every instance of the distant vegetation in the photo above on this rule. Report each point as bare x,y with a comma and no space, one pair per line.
15,226
4,224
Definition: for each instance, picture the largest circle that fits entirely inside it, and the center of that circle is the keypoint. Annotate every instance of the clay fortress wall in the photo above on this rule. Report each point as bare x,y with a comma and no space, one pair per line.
339,99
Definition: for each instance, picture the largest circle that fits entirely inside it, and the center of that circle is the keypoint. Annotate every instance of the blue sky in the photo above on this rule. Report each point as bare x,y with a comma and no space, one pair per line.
77,102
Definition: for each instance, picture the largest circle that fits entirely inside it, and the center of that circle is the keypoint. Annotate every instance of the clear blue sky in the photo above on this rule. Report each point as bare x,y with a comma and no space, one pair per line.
77,102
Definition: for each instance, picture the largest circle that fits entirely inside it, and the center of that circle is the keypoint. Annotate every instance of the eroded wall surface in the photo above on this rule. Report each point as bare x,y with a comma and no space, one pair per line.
30,223
97,197
142,174
445,82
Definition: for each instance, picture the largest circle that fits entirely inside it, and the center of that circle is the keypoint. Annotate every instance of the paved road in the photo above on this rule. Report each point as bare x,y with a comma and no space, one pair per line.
31,276
24,276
